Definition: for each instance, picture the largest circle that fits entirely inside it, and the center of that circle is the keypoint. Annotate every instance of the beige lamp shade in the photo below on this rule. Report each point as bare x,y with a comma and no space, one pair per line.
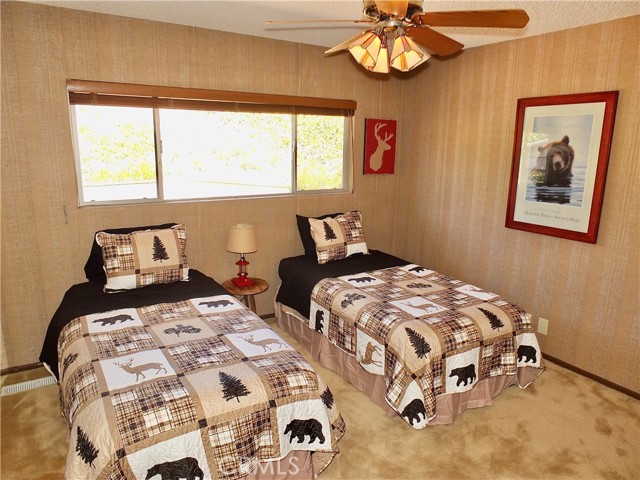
366,49
241,239
406,54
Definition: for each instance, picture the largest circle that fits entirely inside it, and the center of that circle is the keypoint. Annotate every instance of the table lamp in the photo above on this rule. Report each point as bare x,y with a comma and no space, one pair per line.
241,240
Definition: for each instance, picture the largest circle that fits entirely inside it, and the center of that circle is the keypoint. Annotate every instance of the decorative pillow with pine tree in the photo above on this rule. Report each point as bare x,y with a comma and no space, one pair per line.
338,237
145,257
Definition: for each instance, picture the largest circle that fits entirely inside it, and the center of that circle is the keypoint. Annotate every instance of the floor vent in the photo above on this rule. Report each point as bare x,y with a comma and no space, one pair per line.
24,386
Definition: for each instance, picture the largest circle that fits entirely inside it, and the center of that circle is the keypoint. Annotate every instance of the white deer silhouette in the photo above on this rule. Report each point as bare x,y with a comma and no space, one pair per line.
375,160
140,368
265,342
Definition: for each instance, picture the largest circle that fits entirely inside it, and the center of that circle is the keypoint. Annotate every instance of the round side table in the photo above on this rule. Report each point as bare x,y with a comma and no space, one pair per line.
247,293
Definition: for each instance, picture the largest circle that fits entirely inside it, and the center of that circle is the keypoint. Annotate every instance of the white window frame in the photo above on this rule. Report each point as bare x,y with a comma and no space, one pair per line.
82,92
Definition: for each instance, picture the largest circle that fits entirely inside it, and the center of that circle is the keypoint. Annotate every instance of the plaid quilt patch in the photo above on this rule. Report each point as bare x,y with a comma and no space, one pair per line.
167,387
144,257
437,335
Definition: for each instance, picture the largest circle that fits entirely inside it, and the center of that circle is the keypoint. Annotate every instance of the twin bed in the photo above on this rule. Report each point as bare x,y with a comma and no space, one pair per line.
180,380
420,344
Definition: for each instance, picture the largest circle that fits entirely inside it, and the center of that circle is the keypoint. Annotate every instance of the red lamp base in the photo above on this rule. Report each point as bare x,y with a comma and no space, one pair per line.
242,280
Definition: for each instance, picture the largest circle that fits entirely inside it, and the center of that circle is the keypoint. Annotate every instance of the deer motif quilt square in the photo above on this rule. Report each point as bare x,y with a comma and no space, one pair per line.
257,342
476,292
418,306
370,353
135,368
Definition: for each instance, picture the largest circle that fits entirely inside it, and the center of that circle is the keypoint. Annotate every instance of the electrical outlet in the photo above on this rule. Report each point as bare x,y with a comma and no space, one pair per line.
543,325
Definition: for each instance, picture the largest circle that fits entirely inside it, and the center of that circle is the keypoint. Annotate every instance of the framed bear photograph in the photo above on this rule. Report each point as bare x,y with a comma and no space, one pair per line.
559,166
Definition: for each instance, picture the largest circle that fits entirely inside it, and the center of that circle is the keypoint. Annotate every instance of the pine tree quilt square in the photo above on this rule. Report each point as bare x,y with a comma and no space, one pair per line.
228,388
490,319
90,427
156,248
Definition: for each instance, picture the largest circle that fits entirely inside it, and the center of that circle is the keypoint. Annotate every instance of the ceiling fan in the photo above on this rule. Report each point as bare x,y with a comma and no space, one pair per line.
401,32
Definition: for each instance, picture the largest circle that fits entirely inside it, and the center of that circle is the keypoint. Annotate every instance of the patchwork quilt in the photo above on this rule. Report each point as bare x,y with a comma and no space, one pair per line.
428,334
200,388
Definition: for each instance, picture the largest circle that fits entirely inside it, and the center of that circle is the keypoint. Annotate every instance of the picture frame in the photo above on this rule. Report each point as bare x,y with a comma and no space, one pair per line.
559,166
379,146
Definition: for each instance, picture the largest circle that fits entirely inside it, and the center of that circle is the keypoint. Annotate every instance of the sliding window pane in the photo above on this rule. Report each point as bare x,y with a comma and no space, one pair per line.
116,153
320,152
224,154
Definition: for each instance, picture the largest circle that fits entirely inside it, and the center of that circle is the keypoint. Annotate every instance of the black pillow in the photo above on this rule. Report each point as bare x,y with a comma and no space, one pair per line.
305,233
94,268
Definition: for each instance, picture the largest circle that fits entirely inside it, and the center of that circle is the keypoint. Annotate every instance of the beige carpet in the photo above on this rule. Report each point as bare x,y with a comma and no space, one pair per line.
564,426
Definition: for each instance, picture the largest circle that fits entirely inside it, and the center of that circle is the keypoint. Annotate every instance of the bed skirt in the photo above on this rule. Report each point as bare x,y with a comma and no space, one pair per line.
448,407
299,464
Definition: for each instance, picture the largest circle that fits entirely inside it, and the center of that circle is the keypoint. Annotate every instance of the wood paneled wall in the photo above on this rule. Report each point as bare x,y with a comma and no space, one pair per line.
444,207
457,180
45,236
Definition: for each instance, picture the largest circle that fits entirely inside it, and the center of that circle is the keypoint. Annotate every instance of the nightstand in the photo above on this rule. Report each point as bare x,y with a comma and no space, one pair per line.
247,293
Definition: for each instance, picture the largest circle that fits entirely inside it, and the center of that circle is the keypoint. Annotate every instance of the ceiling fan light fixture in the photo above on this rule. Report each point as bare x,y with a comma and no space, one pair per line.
406,54
366,48
382,61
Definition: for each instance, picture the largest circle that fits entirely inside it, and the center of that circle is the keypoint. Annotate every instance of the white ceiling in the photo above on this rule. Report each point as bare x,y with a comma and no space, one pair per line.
248,17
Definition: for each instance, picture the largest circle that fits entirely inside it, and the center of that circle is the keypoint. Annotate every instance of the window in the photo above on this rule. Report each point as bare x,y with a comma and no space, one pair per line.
136,143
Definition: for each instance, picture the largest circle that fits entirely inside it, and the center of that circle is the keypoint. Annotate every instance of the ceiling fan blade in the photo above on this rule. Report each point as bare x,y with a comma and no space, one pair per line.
344,45
393,7
285,22
436,42
474,18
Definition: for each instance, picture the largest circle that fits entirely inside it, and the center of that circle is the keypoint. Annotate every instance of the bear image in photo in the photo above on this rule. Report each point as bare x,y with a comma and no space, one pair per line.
553,169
